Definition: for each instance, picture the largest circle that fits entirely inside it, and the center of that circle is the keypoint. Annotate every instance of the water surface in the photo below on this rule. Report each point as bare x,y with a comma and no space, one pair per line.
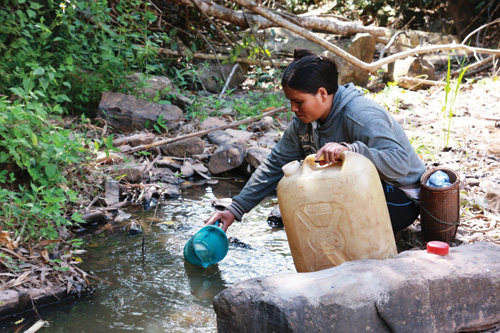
150,286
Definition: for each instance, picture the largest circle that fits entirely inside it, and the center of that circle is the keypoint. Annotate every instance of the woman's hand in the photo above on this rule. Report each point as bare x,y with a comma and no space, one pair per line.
330,152
225,218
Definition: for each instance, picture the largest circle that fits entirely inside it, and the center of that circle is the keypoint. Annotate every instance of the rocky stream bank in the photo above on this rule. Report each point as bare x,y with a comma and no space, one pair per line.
140,171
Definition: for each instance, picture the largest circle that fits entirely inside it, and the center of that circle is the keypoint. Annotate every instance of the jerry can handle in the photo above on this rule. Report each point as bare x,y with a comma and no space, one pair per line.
312,165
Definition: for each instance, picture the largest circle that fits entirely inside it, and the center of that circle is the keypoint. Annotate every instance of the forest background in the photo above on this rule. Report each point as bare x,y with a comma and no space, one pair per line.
58,57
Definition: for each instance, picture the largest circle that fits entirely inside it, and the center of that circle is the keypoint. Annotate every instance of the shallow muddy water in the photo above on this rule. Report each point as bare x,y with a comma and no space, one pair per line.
151,287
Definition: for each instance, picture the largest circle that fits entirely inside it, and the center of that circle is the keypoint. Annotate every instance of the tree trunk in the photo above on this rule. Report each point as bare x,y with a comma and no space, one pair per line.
307,22
462,13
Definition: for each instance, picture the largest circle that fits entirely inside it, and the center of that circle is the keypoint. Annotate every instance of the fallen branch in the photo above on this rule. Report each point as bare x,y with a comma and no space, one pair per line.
223,57
420,81
313,23
202,133
370,67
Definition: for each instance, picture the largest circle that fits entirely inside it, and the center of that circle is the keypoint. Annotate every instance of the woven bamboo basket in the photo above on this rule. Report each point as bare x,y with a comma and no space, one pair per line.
440,207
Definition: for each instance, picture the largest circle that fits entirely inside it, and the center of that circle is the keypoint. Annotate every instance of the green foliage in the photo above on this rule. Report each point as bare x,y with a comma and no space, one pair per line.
39,155
57,59
423,146
71,56
12,265
255,102
451,94
248,45
389,97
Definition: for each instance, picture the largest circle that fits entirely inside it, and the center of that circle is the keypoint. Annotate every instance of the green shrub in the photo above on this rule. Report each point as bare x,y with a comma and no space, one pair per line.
71,56
56,59
36,157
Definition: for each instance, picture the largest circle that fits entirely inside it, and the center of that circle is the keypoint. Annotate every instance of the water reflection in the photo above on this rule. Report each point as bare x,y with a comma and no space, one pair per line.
204,283
152,288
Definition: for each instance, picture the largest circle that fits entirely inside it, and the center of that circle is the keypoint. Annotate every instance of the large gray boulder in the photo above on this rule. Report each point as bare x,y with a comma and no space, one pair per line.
128,113
213,77
414,292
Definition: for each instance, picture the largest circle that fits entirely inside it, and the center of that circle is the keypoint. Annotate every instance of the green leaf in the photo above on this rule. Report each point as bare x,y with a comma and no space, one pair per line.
50,170
62,98
18,91
31,13
39,71
34,139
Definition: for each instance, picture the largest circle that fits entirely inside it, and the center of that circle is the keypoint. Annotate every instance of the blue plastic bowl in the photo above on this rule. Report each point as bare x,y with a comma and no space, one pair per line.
207,247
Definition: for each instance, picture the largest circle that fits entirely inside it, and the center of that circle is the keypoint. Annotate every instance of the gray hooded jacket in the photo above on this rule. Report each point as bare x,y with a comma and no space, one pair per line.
361,123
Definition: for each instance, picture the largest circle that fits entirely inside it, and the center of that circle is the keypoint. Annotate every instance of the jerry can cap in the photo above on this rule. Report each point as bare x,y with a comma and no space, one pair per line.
291,168
439,248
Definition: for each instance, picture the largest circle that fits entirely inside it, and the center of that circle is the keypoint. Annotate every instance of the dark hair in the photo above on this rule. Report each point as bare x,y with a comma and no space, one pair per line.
308,72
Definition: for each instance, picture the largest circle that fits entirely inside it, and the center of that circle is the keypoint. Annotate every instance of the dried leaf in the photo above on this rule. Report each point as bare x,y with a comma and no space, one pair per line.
108,158
45,256
21,279
48,242
6,241
69,286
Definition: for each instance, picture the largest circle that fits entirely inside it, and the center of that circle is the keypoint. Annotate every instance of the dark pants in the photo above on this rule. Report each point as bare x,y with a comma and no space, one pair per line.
402,210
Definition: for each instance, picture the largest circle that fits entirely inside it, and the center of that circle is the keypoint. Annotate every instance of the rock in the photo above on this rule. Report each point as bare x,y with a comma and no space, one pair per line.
362,46
212,79
256,155
262,125
274,219
212,122
200,168
134,228
221,204
23,298
413,67
128,113
187,169
227,156
492,194
111,191
414,292
240,135
130,172
95,217
159,87
184,148
170,191
417,37
219,137
161,175
151,87
168,162
285,41
269,139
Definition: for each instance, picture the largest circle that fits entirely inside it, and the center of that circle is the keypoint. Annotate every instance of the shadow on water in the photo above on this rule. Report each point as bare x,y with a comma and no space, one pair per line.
156,290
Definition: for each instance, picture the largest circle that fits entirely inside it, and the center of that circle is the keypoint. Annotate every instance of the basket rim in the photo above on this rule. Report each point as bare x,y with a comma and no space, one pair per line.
425,176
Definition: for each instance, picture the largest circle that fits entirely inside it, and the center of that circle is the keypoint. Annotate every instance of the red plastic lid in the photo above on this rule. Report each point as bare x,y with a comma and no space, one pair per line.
439,248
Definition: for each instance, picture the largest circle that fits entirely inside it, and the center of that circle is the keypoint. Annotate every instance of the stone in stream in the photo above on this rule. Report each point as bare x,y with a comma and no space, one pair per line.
414,292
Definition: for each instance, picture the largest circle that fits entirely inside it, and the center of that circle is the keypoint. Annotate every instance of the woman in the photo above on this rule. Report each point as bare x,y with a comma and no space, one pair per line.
331,119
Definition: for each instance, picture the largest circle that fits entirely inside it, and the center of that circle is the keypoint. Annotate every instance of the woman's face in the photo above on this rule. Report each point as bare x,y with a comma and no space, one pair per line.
309,107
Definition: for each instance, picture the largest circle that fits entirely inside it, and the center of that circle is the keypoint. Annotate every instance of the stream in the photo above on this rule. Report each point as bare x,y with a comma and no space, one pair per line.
149,286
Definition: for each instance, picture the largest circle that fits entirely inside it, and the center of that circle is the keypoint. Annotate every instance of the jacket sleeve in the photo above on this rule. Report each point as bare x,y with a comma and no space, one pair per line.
265,179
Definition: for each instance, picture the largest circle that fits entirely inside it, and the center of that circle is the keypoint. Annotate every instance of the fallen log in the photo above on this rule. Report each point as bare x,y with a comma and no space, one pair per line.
202,133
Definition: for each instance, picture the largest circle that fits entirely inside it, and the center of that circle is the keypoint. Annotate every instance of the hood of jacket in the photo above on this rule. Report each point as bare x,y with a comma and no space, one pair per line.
344,95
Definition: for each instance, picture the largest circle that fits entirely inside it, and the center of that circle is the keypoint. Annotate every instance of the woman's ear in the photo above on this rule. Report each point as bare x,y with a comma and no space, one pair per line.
322,93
